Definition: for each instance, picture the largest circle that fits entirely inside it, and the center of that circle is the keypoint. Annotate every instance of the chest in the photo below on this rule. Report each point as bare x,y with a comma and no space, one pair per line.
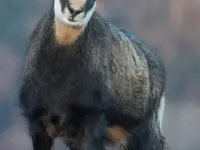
58,66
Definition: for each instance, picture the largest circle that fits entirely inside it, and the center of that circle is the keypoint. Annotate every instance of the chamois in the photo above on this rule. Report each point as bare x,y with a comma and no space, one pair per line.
90,83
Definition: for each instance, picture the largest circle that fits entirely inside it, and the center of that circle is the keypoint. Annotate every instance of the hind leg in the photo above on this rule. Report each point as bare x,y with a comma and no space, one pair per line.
117,136
94,131
40,138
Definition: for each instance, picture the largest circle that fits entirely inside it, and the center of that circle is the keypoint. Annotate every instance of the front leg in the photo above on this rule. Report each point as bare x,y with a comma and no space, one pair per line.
94,132
40,138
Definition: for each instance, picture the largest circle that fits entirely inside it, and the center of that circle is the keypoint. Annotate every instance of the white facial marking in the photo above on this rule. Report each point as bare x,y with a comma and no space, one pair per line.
79,20
161,111
76,18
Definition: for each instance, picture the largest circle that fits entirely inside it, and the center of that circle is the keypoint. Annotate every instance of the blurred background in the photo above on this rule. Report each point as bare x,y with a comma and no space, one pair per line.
170,27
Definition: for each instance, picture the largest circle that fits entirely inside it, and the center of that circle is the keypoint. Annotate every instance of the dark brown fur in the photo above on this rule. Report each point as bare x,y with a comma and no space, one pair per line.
81,90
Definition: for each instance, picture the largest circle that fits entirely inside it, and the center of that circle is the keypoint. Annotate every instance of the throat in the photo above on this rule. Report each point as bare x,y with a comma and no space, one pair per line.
66,35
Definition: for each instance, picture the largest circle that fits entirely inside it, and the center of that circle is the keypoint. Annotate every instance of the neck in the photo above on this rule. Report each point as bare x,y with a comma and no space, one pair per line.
65,34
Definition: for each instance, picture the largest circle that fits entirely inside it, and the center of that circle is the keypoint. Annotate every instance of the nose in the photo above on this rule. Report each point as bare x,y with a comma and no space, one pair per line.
74,12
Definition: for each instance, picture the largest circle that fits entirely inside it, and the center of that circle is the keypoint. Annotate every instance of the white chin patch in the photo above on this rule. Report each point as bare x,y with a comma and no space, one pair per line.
80,20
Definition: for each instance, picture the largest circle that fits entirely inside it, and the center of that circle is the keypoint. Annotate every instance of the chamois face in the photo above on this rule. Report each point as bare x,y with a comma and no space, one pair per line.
74,12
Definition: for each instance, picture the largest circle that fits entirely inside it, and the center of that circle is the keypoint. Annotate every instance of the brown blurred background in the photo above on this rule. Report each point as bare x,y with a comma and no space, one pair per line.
170,27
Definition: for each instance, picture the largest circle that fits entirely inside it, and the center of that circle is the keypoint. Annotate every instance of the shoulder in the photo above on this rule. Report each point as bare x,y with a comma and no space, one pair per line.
44,24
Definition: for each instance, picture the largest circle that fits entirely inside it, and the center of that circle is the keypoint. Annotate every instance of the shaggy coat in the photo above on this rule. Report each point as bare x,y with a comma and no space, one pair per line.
101,90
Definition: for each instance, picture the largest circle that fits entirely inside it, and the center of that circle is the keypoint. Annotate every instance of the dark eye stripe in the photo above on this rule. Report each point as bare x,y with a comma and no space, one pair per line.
64,3
89,5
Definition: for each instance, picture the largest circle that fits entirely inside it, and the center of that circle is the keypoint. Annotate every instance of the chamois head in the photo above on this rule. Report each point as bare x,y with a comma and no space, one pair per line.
74,12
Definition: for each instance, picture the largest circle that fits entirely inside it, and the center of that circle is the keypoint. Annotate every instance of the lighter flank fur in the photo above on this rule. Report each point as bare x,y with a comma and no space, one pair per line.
161,111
